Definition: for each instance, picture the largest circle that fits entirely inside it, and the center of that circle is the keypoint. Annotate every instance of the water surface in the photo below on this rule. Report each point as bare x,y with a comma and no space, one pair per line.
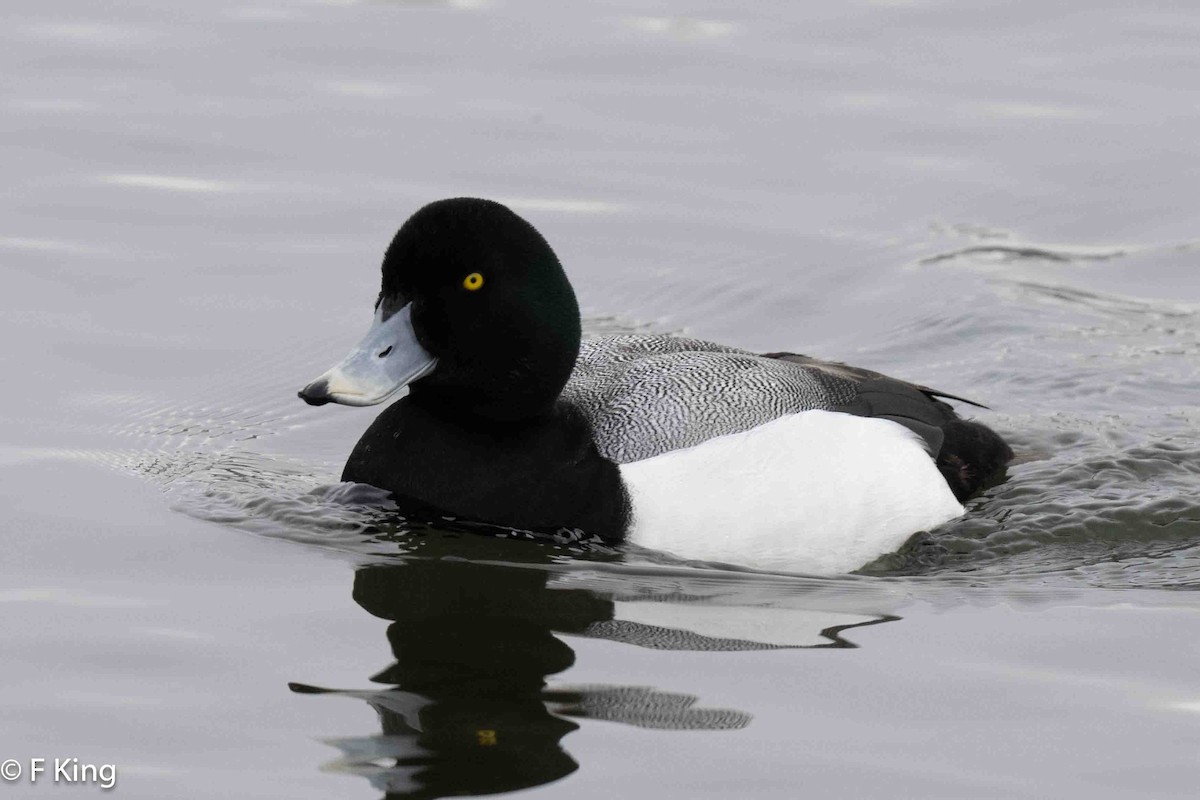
995,200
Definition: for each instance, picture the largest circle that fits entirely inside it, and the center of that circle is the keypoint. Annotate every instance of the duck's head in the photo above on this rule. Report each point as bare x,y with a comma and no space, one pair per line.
475,316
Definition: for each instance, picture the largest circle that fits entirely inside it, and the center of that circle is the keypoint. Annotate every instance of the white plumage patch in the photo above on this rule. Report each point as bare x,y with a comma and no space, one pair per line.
817,492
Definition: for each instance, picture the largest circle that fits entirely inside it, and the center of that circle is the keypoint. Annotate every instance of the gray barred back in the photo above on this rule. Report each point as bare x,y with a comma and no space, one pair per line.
645,395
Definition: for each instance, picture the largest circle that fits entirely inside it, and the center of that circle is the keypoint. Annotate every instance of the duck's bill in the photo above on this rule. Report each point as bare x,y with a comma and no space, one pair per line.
387,359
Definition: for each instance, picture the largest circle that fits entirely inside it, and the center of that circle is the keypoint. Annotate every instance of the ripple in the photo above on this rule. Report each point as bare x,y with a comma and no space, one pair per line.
923,163
371,90
47,246
65,597
988,254
94,34
866,100
462,5
53,105
171,183
1108,304
1087,514
682,28
563,205
263,14
1026,110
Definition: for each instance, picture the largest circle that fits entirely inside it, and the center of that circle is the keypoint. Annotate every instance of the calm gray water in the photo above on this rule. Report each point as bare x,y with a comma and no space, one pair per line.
995,199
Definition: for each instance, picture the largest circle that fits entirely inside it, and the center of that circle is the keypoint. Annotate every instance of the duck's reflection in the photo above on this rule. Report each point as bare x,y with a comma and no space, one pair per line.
469,711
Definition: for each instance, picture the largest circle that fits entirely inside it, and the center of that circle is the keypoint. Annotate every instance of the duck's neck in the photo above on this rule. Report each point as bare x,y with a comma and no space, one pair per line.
540,474
473,408
517,379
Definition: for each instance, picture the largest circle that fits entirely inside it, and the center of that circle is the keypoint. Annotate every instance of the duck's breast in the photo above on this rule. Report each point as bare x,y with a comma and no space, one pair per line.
816,492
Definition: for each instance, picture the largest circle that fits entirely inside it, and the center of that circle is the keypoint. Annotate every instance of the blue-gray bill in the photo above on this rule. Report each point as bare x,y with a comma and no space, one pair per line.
387,359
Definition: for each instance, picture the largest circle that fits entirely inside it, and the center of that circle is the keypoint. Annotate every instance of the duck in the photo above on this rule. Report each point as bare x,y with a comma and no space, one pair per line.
704,452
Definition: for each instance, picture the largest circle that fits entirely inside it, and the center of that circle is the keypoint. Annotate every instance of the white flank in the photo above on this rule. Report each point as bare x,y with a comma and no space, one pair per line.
817,492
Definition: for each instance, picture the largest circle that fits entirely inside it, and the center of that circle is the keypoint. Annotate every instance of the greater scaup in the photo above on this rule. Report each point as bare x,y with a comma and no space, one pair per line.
767,460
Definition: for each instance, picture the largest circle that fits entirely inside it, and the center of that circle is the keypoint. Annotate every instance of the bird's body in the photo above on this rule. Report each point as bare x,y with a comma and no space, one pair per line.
710,452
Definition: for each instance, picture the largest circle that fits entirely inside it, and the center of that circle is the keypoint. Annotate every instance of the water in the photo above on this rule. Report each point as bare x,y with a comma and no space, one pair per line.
990,199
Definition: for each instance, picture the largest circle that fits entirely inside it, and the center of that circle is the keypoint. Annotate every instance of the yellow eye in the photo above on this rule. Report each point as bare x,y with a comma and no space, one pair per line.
473,282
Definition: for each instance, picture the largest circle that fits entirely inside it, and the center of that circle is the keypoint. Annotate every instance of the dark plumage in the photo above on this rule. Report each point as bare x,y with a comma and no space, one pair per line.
542,474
